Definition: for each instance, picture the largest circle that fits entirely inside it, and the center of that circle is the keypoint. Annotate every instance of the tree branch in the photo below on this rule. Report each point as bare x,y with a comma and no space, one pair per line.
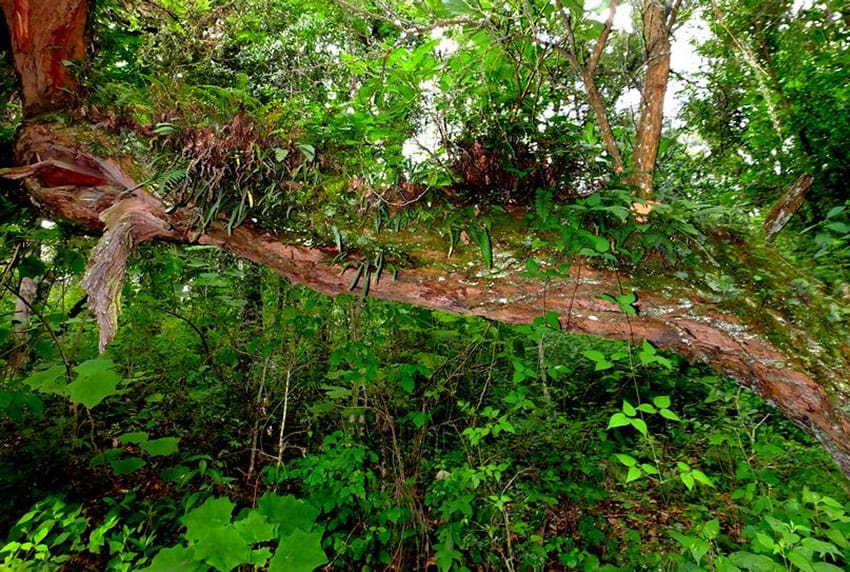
809,391
603,38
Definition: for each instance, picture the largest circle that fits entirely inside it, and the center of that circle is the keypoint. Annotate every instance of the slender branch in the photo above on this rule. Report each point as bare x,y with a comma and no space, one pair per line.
672,15
194,327
603,38
12,263
568,26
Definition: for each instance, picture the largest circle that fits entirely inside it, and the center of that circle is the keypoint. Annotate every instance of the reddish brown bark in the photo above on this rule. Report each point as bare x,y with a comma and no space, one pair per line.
683,323
46,34
648,137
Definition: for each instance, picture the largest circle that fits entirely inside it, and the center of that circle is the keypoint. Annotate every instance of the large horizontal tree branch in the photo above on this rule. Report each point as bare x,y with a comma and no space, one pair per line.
96,194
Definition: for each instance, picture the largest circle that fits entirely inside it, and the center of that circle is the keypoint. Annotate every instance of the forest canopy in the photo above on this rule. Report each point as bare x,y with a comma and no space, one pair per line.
454,284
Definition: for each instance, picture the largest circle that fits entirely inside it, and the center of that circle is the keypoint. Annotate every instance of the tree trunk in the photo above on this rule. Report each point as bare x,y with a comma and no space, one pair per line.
785,207
648,138
809,387
45,36
21,322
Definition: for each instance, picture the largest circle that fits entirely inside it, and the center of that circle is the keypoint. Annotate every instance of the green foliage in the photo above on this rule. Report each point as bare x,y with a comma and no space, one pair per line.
240,422
213,537
45,535
435,430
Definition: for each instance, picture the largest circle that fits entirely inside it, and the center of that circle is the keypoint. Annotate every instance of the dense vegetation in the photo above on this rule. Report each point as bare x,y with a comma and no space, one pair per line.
238,421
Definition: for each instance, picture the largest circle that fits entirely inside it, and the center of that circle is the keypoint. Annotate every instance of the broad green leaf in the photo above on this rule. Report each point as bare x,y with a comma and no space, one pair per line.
629,409
627,460
711,529
456,8
298,552
640,425
308,151
175,559
648,469
723,564
127,465
647,408
160,447
827,567
260,557
15,404
837,537
661,401
598,358
96,380
755,562
51,381
821,547
222,547
133,438
600,243
800,560
214,512
552,321
254,527
419,418
31,267
106,457
701,477
633,475
280,154
688,480
618,420
667,414
765,541
486,247
287,512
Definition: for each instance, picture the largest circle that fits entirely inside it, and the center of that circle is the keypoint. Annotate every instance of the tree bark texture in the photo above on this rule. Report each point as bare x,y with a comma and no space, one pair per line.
788,204
95,193
648,137
46,35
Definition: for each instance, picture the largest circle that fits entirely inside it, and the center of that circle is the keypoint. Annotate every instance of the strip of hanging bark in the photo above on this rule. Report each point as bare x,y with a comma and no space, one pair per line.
788,204
128,222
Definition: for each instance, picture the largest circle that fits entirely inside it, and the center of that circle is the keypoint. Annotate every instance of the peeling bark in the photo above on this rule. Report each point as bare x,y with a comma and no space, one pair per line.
46,35
811,392
788,204
129,221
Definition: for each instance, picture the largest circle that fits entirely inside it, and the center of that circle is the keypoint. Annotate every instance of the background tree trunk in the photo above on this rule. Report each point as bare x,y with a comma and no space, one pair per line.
45,34
645,153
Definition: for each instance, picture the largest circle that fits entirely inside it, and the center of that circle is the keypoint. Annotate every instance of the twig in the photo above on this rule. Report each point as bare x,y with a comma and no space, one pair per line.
194,327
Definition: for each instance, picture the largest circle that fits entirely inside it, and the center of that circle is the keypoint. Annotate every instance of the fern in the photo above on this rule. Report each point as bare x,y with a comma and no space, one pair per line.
165,182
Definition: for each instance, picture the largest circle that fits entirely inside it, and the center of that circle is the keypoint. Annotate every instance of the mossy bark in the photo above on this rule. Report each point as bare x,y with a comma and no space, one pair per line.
809,387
